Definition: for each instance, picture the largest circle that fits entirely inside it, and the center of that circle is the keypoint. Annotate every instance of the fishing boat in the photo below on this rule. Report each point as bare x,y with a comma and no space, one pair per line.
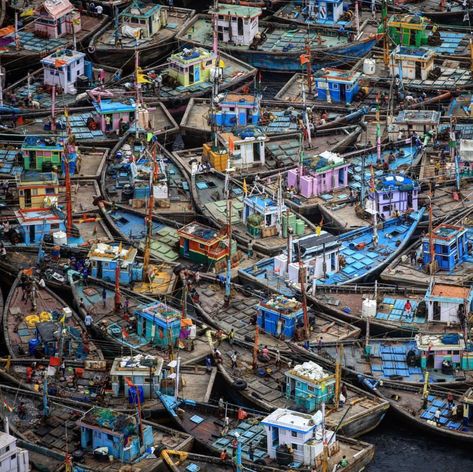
278,318
455,15
37,323
418,407
101,125
132,226
444,356
424,259
234,110
362,253
62,81
67,427
281,152
270,46
186,74
215,428
134,167
56,25
120,41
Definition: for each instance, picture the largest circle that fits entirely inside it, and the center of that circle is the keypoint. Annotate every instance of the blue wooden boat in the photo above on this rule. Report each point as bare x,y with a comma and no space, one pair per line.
350,258
275,47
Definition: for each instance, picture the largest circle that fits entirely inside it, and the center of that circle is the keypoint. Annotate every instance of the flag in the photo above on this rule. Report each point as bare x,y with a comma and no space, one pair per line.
54,361
27,12
221,64
231,145
59,63
66,112
7,31
141,77
124,332
7,406
304,58
245,187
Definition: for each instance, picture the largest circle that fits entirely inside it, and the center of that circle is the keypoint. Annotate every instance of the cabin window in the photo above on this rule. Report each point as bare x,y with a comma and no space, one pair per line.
201,246
294,446
50,191
294,434
386,208
109,437
54,227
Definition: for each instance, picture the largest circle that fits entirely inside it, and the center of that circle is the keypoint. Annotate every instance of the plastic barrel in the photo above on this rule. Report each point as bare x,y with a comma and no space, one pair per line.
33,345
300,226
56,252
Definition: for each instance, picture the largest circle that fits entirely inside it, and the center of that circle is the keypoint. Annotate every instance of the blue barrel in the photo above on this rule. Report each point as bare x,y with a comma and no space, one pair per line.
88,71
132,397
56,252
218,119
33,345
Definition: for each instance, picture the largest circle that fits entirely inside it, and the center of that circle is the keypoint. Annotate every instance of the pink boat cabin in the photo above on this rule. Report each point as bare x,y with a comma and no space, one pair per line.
56,18
112,115
322,174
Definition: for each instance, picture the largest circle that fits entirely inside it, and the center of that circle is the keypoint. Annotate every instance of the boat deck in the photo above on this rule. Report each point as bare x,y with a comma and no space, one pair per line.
30,43
132,227
176,19
59,432
92,159
21,331
279,38
460,106
241,314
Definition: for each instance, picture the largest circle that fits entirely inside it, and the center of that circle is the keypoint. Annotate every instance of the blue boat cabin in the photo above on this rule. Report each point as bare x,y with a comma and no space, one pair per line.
104,259
308,386
36,223
337,86
280,316
159,324
118,432
237,110
262,215
450,246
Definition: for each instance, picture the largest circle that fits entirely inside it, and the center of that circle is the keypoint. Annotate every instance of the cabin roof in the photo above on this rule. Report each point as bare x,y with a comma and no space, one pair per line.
50,142
238,10
108,106
292,420
282,304
203,233
57,8
66,55
392,182
338,75
36,216
30,176
108,252
140,10
450,291
137,365
416,53
110,420
418,117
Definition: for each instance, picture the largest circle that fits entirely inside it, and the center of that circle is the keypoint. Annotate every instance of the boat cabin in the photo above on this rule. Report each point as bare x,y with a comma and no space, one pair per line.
43,154
159,324
112,115
450,246
321,174
122,435
337,86
143,20
409,30
419,121
262,215
308,386
56,18
320,258
202,244
280,316
447,303
393,195
237,110
12,457
237,24
327,12
62,68
136,375
192,66
246,147
301,432
104,259
467,402
38,223
38,190
412,63
444,352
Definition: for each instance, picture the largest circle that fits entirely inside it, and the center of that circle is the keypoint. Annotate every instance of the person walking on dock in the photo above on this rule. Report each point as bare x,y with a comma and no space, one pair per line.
104,297
437,415
88,320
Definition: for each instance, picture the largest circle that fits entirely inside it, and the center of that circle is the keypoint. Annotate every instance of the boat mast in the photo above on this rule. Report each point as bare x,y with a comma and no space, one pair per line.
375,209
138,79
45,397
302,276
67,175
431,236
1,85
149,215
338,376
324,442
306,116
255,347
384,16
308,63
117,280
213,123
228,278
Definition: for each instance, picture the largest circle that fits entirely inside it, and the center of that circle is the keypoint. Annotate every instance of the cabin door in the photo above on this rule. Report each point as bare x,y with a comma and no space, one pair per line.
409,200
436,313
256,152
99,269
27,198
418,71
33,160
343,93
191,75
186,248
197,73
32,233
